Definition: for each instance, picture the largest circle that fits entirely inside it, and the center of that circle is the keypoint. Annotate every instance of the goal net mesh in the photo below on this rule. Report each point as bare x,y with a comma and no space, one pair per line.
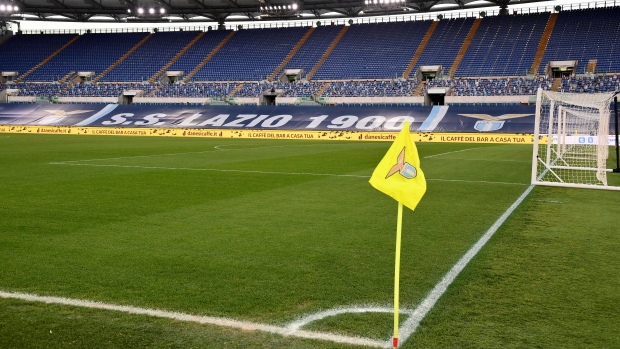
571,139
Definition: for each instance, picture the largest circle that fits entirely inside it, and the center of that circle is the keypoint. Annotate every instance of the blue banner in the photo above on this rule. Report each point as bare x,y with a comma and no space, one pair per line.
505,119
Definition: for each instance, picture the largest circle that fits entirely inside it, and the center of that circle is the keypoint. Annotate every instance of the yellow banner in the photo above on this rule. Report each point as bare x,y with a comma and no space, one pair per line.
276,134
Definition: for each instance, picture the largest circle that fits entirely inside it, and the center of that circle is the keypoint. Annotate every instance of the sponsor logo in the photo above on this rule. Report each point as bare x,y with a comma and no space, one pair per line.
403,168
490,123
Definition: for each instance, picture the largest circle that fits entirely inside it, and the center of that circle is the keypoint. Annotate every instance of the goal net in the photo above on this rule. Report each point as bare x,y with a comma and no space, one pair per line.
571,141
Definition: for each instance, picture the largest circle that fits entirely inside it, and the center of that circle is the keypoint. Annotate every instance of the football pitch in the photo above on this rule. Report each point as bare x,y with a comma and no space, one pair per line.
153,242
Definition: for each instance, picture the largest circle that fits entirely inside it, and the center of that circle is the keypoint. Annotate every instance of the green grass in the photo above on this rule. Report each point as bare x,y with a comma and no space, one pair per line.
180,225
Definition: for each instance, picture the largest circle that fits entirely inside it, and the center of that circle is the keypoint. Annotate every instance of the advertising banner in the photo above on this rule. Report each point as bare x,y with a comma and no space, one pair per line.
473,119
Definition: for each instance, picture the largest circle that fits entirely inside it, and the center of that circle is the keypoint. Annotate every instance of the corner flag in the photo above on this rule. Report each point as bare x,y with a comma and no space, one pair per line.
399,174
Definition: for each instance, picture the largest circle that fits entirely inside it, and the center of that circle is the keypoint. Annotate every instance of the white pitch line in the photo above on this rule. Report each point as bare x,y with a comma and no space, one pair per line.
210,169
265,172
466,181
411,324
490,160
217,149
216,321
298,324
451,152
173,154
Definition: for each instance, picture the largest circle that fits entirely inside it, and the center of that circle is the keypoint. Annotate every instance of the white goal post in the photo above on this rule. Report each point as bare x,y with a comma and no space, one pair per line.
571,140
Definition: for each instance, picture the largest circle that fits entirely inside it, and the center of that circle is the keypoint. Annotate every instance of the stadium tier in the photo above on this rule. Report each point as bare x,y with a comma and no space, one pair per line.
504,46
313,49
18,54
90,53
490,56
371,89
104,90
386,88
212,90
199,51
585,35
591,84
250,55
147,59
373,51
493,87
444,44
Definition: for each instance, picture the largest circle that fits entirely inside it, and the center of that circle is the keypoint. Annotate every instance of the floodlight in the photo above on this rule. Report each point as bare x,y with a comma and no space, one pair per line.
140,10
294,6
162,10
128,10
2,8
151,10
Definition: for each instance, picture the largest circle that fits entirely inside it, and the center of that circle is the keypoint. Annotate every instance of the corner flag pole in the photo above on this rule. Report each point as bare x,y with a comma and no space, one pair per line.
399,228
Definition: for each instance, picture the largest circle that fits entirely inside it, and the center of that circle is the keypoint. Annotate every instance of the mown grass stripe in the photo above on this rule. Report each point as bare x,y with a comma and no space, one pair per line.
412,323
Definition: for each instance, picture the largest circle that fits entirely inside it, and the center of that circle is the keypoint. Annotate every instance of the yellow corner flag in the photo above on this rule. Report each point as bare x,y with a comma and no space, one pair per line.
399,174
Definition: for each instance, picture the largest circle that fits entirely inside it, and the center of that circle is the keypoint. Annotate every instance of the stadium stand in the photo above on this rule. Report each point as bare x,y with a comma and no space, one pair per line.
583,35
504,46
201,49
46,90
311,51
594,84
300,89
373,51
356,61
493,87
90,53
388,88
251,55
445,43
104,90
213,90
150,57
18,55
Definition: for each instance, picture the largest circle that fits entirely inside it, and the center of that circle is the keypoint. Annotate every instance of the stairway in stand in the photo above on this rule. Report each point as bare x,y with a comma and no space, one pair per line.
420,49
176,57
464,47
47,59
556,84
419,89
123,57
209,56
327,52
542,46
291,54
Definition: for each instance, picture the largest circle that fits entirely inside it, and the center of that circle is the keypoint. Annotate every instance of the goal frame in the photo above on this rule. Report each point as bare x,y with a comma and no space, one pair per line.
546,137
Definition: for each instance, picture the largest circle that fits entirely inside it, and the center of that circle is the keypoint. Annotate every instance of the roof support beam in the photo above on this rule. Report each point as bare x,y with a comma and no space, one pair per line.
57,4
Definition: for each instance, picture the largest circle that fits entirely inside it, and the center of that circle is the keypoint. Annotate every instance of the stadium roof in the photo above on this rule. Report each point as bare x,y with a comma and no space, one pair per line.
228,10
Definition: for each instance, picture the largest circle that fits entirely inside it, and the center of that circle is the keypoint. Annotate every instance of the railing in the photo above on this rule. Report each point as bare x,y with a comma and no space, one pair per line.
471,13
